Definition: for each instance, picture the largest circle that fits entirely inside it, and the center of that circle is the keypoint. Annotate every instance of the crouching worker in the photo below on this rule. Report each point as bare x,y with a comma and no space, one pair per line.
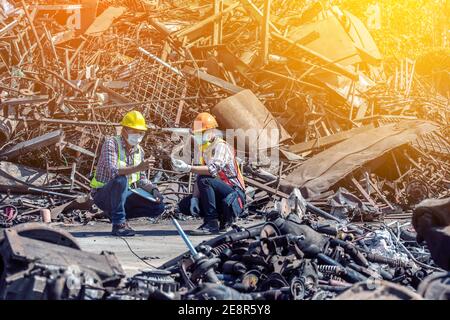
120,170
219,190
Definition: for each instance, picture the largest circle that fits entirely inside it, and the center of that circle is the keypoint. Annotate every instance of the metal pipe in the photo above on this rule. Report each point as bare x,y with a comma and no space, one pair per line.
30,21
185,238
174,70
321,212
134,104
326,215
53,193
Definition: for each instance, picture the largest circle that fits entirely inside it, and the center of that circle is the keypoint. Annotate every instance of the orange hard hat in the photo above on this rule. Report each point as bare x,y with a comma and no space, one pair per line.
204,121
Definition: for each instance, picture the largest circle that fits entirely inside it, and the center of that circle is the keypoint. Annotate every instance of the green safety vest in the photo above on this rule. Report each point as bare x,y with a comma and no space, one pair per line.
121,162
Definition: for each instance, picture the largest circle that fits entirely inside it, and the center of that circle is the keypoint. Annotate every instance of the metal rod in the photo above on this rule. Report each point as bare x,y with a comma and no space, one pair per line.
30,21
185,238
175,70
134,104
322,213
265,32
69,122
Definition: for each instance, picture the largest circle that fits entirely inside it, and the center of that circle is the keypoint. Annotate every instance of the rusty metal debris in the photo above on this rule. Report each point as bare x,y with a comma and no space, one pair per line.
364,142
39,262
290,258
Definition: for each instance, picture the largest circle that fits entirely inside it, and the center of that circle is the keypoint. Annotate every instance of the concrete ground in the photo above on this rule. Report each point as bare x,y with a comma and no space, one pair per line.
155,243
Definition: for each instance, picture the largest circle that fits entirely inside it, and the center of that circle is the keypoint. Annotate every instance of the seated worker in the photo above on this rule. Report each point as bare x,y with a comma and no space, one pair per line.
219,190
121,167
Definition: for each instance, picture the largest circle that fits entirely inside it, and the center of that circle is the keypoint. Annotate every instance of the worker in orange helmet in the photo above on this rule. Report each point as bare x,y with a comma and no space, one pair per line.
219,190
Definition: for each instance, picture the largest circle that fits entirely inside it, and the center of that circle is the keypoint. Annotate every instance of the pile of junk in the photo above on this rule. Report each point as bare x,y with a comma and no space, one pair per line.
296,254
359,135
355,205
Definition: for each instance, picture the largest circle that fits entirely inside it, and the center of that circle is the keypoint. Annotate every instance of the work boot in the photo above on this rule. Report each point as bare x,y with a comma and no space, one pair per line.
225,227
128,227
122,230
207,228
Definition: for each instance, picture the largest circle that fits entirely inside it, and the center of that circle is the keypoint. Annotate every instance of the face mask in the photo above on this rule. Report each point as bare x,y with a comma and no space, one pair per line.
205,138
134,138
208,136
198,139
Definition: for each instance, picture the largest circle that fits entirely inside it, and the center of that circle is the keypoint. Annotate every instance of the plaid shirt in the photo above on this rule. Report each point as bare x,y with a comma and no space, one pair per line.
219,157
107,167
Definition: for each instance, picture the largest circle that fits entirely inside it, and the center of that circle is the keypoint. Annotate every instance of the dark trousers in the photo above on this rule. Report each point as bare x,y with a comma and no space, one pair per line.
120,203
211,201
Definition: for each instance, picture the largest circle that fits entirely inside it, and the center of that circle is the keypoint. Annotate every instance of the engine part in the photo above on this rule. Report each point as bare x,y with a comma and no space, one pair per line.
234,267
33,266
435,286
147,282
211,291
203,268
378,290
372,257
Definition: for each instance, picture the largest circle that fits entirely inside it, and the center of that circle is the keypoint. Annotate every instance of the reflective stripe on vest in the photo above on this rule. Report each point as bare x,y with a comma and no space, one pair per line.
121,163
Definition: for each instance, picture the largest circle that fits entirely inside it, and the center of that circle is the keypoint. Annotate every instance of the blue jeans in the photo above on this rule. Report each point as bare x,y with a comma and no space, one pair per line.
213,196
116,199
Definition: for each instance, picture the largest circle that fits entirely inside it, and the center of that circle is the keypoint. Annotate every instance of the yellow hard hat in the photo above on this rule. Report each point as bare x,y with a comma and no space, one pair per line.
204,121
135,120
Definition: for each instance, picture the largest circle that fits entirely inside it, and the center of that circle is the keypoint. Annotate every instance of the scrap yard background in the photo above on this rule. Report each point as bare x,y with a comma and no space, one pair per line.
357,91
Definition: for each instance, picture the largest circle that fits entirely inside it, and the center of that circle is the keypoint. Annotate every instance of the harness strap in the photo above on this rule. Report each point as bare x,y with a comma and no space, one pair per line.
222,175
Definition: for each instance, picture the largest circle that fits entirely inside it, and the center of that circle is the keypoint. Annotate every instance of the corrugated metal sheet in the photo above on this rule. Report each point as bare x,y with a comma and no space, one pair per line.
322,171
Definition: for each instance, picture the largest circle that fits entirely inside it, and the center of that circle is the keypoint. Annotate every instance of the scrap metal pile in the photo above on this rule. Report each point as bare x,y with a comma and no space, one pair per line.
293,257
362,140
71,69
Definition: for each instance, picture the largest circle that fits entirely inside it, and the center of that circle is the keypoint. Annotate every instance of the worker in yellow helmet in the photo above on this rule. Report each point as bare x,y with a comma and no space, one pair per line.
219,190
120,172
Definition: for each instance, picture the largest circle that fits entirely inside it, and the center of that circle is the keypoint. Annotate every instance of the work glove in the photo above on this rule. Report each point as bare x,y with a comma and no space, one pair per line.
195,207
181,166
